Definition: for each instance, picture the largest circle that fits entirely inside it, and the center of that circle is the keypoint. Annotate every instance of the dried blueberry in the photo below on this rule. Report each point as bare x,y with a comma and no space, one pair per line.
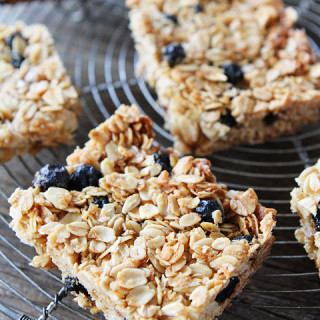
316,218
227,119
100,201
248,238
17,44
73,284
198,8
172,17
8,40
16,59
164,160
51,176
206,207
270,118
84,176
226,293
233,72
173,53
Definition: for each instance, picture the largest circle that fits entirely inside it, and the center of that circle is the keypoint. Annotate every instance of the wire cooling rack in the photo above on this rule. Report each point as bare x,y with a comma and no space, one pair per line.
93,40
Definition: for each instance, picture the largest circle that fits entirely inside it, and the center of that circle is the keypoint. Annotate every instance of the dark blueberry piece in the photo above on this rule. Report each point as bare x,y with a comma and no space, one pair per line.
206,207
17,44
84,176
172,17
198,8
228,119
233,72
173,53
100,201
316,218
270,118
248,238
73,284
8,40
16,59
51,176
226,293
164,160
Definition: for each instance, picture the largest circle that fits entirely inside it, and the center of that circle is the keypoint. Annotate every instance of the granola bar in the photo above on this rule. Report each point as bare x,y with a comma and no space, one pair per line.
149,234
226,72
38,104
305,201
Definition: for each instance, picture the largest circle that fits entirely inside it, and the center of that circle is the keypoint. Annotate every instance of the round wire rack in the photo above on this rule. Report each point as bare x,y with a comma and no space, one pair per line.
94,42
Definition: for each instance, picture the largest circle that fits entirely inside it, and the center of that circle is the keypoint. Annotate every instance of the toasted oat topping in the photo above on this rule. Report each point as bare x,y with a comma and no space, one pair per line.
147,252
39,106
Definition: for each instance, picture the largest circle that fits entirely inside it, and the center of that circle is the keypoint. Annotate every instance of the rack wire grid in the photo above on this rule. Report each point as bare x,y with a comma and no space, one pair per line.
94,42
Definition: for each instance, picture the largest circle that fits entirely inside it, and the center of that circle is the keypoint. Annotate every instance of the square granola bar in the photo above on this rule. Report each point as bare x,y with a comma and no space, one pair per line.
148,234
305,201
38,104
226,72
